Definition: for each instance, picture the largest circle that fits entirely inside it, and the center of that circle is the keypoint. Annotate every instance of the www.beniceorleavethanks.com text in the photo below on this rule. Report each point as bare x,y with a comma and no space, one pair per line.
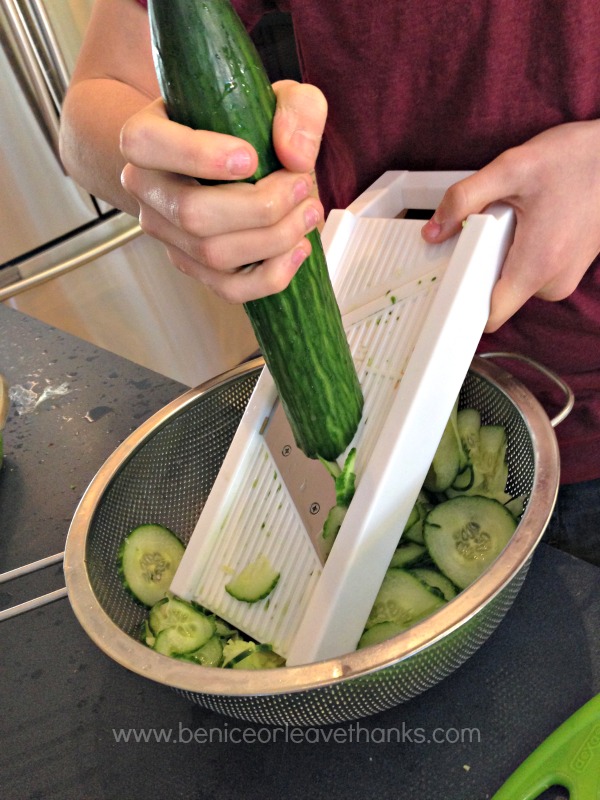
352,733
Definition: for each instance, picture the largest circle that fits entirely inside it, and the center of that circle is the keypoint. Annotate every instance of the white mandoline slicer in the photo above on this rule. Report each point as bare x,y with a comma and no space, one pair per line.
413,313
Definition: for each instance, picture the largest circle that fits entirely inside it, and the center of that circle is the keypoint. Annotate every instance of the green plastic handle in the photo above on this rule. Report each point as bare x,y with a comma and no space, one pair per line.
569,757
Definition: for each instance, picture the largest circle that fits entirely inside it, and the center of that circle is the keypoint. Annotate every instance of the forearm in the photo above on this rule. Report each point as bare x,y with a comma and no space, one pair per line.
94,113
114,78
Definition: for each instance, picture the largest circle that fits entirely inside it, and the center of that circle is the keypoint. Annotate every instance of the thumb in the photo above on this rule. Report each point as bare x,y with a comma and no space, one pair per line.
470,195
298,124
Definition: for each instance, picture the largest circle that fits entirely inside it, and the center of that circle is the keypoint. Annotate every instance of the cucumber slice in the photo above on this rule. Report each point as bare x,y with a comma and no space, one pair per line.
179,627
405,555
414,533
331,527
380,633
255,582
465,534
148,559
146,634
487,456
449,458
413,518
171,611
209,655
262,657
345,485
435,580
403,599
236,649
465,479
468,422
182,638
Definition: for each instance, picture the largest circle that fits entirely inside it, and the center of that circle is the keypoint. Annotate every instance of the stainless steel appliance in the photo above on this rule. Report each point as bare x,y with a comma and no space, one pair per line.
66,257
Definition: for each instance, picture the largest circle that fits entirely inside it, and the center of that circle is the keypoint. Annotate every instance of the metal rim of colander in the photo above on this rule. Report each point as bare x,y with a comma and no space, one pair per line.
138,658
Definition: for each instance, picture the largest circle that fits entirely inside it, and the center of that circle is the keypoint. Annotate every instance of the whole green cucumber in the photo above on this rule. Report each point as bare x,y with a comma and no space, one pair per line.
212,78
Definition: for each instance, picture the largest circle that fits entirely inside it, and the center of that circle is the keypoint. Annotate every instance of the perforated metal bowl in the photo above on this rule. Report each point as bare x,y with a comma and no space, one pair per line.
163,473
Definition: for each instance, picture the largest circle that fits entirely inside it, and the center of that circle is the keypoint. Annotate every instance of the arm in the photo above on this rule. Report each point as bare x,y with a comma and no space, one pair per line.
109,85
117,142
553,184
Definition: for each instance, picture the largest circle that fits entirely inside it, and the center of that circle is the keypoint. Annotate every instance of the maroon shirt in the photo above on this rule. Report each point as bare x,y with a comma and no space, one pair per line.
426,85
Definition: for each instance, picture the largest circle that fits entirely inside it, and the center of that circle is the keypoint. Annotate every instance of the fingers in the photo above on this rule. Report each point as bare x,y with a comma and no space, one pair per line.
497,181
298,124
151,141
212,231
212,210
226,252
542,262
554,241
239,286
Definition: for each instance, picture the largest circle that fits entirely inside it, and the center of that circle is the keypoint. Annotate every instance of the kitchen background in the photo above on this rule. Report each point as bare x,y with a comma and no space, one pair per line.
67,258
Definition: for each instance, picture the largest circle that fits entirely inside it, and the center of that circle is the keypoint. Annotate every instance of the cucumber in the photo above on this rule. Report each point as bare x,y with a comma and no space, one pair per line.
171,611
407,554
146,634
147,561
402,599
487,471
381,632
465,534
468,422
239,653
331,526
179,627
209,655
345,486
261,657
449,459
254,582
212,78
414,533
236,649
435,580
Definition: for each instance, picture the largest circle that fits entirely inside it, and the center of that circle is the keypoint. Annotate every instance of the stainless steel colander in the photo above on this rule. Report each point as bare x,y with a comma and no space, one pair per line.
164,472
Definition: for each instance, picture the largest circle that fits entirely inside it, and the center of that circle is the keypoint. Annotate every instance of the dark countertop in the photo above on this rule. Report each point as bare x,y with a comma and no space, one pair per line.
64,704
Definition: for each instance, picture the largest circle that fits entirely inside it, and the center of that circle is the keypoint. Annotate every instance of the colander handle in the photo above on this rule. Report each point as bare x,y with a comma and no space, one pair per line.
564,387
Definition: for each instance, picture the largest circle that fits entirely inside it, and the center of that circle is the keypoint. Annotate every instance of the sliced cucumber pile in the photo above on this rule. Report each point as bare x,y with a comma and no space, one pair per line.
462,520
147,560
185,631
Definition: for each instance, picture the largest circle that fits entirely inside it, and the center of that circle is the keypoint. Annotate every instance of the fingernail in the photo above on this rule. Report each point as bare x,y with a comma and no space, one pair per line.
238,162
432,228
311,218
301,190
298,256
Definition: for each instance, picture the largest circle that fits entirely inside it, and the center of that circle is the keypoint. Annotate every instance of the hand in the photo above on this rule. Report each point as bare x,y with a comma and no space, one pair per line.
553,184
212,232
